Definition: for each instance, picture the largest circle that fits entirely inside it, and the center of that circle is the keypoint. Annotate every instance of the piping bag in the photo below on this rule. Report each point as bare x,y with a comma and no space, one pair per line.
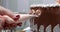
17,17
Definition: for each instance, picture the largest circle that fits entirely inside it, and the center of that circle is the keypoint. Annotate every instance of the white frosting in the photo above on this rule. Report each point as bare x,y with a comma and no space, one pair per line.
44,5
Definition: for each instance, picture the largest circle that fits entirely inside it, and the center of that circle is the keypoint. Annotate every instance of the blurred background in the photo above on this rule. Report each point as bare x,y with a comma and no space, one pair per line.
23,6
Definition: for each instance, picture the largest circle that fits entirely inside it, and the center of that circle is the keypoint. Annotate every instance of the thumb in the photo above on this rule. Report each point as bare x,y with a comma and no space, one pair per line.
16,17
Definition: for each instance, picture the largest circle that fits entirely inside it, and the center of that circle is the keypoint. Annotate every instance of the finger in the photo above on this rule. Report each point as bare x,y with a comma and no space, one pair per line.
16,17
10,26
8,19
19,24
1,27
1,23
13,25
10,22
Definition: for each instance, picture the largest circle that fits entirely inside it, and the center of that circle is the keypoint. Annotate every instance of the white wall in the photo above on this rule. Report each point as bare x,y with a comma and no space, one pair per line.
42,2
10,4
17,5
49,1
13,5
23,5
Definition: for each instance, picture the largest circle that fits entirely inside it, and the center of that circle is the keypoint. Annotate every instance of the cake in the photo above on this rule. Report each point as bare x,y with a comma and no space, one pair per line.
50,15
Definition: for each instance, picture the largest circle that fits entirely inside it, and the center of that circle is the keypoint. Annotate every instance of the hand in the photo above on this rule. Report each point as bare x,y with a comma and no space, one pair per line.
8,18
6,21
2,21
10,23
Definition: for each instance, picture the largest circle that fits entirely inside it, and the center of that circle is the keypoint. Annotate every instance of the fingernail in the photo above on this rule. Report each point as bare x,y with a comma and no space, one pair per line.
17,17
19,24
